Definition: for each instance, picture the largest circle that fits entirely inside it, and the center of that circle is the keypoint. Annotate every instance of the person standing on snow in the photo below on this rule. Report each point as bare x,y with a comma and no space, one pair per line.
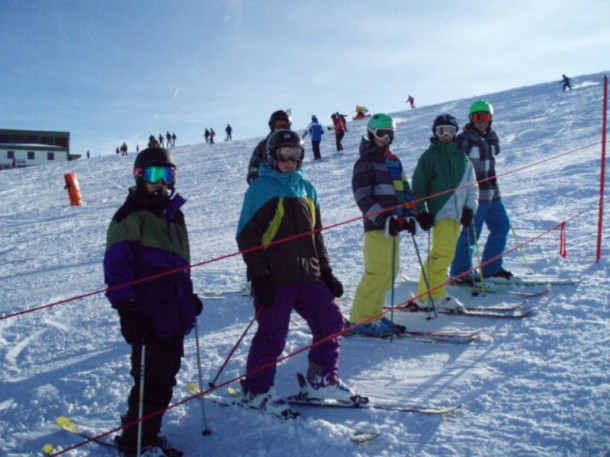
278,120
339,127
379,183
481,145
206,135
295,274
566,83
147,236
212,135
445,201
316,130
411,101
229,131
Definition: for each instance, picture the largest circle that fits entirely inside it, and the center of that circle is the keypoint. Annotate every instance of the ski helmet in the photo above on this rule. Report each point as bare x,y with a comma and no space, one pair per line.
284,138
380,121
152,157
481,106
279,115
444,119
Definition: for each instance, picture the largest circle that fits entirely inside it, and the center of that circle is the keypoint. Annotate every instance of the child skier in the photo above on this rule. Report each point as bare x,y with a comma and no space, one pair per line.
295,274
379,183
148,236
481,144
441,168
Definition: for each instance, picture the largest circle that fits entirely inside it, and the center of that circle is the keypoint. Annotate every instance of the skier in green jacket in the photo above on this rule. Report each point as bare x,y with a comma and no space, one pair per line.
444,200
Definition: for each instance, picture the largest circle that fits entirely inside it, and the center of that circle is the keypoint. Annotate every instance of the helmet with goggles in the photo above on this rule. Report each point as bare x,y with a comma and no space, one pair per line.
153,165
445,124
381,126
481,110
281,117
285,145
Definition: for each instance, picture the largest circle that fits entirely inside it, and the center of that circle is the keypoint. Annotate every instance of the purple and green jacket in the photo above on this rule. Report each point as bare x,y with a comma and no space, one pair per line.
147,236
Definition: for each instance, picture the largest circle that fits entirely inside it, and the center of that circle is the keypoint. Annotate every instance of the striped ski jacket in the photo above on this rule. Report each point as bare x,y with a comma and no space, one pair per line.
482,149
378,183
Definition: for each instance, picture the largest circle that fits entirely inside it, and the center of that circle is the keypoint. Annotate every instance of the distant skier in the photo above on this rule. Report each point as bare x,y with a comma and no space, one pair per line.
566,83
206,135
339,127
411,101
229,131
212,135
279,119
316,130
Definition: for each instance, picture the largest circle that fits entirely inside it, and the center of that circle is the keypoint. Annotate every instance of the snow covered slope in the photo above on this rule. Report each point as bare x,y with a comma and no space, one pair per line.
533,387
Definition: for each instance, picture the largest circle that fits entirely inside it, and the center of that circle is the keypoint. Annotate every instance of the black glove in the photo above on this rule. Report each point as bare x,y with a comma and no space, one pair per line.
425,220
394,226
410,226
198,304
133,326
263,290
333,284
467,215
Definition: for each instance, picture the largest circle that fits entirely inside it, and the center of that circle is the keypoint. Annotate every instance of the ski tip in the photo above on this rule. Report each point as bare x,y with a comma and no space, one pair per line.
48,449
234,392
363,436
193,389
66,424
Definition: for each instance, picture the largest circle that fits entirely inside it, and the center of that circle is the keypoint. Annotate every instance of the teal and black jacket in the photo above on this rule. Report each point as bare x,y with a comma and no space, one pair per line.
147,236
277,206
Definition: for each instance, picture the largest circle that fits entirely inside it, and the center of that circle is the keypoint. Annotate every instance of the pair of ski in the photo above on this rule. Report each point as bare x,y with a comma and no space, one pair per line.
235,397
72,427
434,336
519,310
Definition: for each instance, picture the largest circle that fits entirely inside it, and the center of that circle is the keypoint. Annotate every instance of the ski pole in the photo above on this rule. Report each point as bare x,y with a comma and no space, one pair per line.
141,398
206,429
521,250
226,361
393,282
425,276
476,248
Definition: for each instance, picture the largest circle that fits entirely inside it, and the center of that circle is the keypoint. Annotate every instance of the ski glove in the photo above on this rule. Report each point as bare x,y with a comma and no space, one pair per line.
425,220
263,290
395,225
334,285
133,326
467,215
198,304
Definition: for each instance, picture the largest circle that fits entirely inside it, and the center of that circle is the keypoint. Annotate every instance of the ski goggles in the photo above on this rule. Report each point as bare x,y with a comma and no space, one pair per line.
383,134
282,124
482,117
153,175
442,130
287,153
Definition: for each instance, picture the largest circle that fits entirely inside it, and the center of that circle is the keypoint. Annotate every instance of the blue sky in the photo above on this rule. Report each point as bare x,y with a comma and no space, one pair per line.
112,71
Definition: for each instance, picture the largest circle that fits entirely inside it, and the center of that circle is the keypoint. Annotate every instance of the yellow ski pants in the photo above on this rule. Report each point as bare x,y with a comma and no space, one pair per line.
377,278
445,234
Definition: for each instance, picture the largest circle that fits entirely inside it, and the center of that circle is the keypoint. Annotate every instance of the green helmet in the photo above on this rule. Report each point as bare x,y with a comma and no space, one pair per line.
481,106
381,121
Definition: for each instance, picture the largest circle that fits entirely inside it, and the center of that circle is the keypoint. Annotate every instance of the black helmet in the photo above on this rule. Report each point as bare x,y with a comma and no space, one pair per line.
444,119
152,157
284,138
279,115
